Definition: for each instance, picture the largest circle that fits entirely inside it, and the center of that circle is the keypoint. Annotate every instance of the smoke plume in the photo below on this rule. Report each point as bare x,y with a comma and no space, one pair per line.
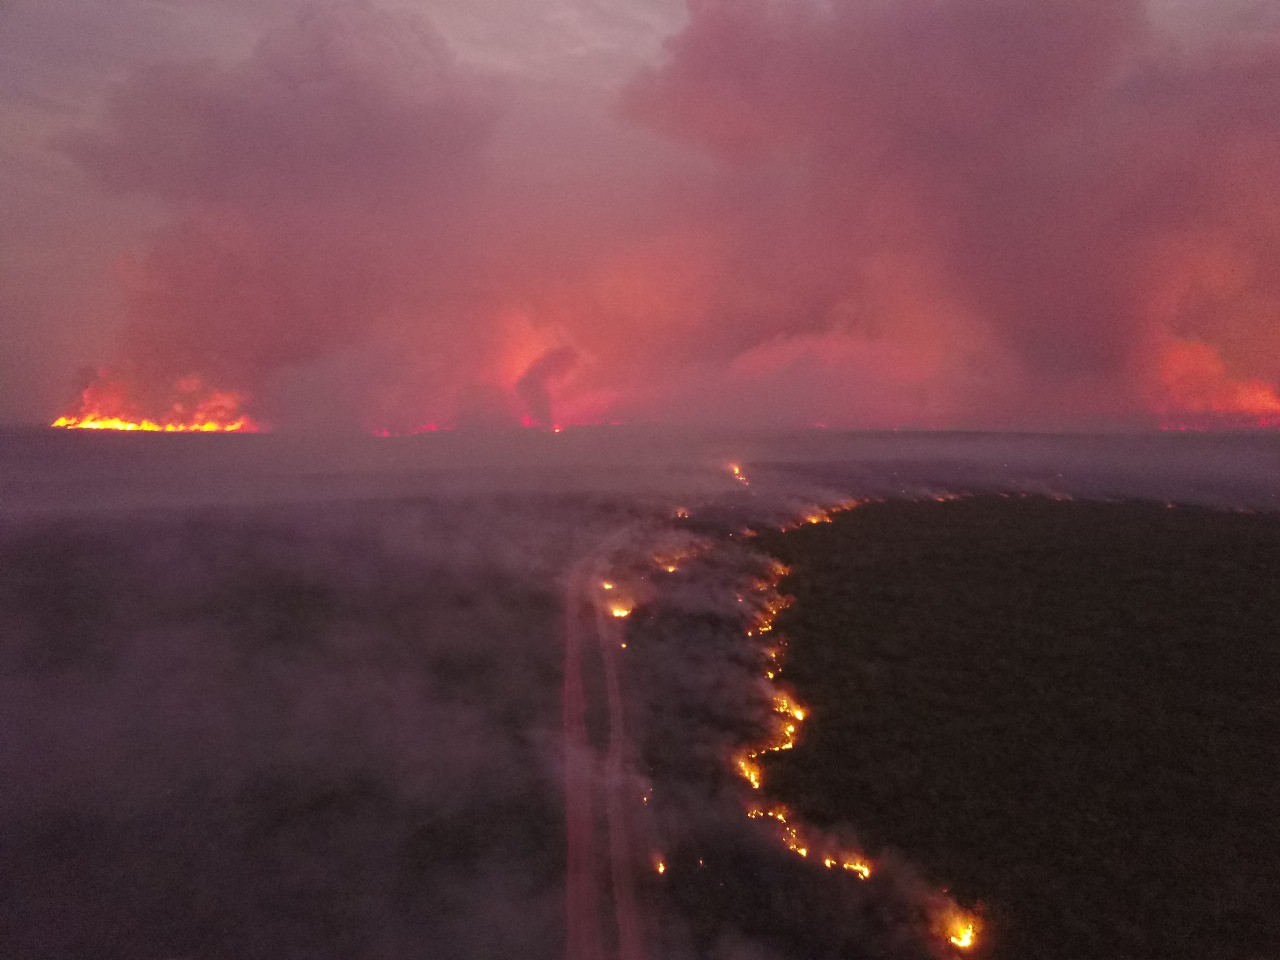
857,214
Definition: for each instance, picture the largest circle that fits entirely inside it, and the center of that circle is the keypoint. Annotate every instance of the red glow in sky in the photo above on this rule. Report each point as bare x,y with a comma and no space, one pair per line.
746,213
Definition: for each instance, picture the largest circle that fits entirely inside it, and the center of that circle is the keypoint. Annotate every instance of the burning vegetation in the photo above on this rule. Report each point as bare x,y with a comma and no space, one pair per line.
1197,392
110,402
943,923
958,927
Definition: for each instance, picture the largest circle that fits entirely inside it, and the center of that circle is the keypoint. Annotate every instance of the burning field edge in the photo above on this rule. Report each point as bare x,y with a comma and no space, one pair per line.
1061,709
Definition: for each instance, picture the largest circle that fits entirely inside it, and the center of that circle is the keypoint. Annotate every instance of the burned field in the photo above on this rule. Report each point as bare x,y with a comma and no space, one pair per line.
497,720
304,731
1065,711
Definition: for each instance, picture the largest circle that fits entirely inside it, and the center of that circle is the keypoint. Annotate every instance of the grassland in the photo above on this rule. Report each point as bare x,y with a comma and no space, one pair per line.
1067,712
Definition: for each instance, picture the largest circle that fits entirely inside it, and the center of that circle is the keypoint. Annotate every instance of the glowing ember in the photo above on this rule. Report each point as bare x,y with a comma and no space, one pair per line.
619,611
964,936
659,865
789,707
766,603
606,585
670,562
736,470
778,813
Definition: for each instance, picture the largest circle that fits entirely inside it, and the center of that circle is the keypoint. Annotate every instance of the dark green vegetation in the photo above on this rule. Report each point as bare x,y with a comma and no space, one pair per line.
1067,712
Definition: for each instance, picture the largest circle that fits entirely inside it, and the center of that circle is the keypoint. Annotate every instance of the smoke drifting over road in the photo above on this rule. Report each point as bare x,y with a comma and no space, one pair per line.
320,704
867,214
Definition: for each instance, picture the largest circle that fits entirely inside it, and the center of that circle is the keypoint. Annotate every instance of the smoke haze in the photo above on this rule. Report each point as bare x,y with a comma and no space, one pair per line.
388,217
278,697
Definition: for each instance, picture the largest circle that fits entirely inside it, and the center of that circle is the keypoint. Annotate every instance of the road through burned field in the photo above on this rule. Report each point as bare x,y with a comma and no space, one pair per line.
1065,710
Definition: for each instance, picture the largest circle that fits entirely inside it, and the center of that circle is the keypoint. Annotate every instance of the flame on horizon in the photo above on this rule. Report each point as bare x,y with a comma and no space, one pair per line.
189,406
1199,392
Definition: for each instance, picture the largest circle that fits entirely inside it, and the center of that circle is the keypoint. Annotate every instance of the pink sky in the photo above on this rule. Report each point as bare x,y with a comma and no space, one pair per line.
883,213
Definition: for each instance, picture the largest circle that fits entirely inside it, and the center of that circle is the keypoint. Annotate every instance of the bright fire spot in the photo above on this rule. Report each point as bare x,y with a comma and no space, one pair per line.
659,865
670,562
861,868
736,470
786,705
606,585
620,611
188,406
682,513
964,935
778,813
93,422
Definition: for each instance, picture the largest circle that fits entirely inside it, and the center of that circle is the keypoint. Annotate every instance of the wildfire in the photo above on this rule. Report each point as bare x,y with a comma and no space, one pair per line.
1198,391
794,836
736,470
92,422
786,705
762,602
964,933
778,813
859,867
109,403
670,562
795,839
620,611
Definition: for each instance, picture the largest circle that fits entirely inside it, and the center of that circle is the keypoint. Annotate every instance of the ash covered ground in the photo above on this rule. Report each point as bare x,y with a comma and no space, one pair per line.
278,697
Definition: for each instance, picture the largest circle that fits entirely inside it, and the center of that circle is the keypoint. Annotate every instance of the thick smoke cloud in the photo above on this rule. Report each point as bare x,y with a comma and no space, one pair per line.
1031,179
325,186
864,214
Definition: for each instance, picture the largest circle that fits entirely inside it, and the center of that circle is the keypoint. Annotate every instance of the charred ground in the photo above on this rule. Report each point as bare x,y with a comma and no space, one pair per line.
1067,711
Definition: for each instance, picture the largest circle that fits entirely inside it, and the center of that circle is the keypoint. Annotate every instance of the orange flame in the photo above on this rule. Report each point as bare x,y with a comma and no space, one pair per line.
964,934
109,403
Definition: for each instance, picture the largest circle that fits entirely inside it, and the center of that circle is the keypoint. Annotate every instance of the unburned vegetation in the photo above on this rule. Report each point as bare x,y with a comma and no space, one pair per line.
1065,711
